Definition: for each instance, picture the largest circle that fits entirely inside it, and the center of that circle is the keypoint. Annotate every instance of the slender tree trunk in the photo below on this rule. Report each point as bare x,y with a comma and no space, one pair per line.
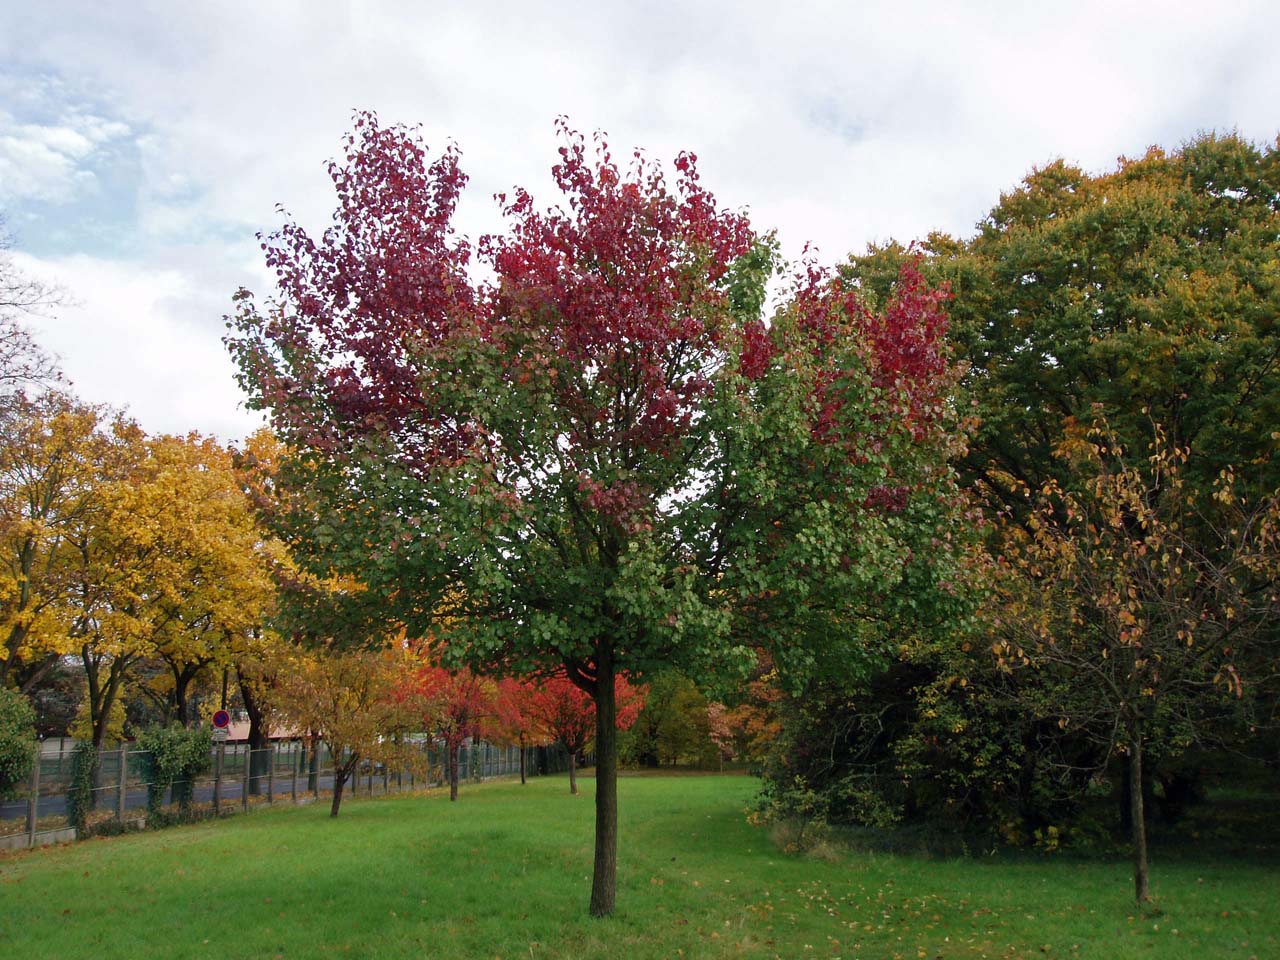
453,770
522,752
604,880
573,771
181,680
339,780
100,713
1142,892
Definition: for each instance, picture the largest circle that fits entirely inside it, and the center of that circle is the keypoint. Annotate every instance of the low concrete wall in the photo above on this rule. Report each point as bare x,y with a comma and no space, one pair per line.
20,841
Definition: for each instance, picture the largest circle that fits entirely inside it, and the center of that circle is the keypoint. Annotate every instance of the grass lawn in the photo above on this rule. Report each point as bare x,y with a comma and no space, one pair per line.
505,873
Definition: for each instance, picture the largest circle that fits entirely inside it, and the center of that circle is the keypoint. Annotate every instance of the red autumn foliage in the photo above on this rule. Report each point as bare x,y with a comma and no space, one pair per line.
562,712
454,704
513,720
903,347
385,281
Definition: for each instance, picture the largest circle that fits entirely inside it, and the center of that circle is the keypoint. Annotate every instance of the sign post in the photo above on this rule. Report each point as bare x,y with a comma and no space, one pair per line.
221,723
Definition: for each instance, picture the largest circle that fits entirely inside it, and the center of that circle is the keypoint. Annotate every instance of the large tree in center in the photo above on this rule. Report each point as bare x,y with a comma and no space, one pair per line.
602,460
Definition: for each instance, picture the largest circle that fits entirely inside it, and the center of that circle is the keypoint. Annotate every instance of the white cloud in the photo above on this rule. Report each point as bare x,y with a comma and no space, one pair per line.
147,336
48,162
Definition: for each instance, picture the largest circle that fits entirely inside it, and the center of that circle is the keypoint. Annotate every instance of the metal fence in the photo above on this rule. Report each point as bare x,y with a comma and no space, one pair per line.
238,779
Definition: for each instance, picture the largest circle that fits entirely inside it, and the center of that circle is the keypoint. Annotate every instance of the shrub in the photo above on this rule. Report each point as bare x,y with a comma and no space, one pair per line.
173,757
17,740
84,771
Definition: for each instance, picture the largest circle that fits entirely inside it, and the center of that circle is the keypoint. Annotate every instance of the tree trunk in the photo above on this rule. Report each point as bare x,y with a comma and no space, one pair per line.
453,771
522,753
183,677
339,780
259,738
100,713
1137,815
604,880
573,771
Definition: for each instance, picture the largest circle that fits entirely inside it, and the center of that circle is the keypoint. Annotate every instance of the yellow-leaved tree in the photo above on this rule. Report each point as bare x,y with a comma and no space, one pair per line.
354,700
51,461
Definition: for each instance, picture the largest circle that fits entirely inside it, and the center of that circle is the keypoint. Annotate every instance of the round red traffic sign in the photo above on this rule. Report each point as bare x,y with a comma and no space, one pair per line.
221,719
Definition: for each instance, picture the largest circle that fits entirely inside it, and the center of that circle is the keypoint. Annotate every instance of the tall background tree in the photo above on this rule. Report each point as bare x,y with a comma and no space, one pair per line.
51,482
1148,292
1145,296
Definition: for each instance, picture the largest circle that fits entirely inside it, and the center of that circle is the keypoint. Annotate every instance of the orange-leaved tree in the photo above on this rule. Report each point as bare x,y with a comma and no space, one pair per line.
513,717
350,698
451,705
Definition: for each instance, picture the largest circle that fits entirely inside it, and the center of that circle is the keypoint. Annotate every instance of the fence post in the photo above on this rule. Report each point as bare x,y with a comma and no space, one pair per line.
244,785
124,778
33,803
271,773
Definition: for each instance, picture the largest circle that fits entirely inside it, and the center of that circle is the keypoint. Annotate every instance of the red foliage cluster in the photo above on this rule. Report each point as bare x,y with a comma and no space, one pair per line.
454,703
615,292
387,281
563,712
903,349
908,342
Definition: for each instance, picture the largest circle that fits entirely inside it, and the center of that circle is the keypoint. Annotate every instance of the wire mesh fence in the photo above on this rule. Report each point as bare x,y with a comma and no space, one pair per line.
121,796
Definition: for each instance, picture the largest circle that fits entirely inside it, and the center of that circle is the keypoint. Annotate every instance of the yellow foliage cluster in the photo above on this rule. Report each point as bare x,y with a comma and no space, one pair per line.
120,549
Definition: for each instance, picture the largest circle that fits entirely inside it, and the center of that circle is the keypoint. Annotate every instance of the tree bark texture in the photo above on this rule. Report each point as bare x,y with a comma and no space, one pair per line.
339,780
604,881
1141,889
259,738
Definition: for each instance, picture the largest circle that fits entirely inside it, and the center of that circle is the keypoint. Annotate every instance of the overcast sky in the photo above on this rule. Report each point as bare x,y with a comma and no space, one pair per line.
142,145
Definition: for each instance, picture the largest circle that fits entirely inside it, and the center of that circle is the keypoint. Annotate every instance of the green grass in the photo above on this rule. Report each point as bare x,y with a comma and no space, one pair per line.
505,873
